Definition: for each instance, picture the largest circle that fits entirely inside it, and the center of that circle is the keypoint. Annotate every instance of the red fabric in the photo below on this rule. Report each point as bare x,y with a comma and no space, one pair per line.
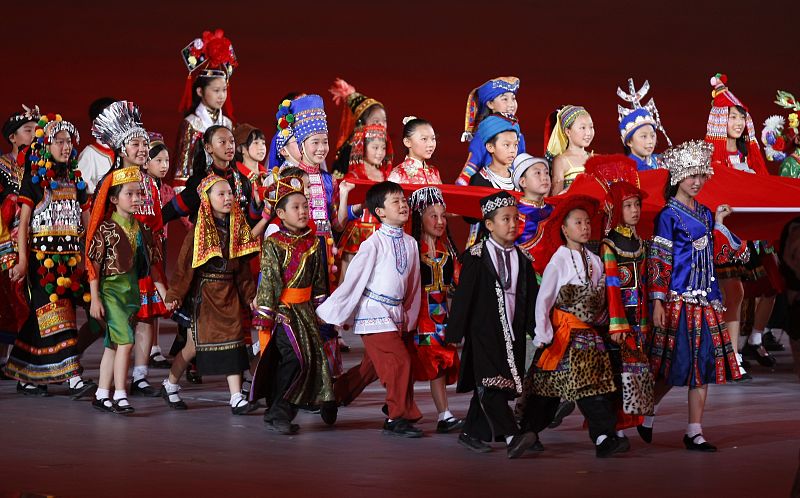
8,209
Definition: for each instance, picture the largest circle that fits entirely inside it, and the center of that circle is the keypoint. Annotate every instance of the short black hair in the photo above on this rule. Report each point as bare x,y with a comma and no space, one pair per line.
98,106
285,200
376,195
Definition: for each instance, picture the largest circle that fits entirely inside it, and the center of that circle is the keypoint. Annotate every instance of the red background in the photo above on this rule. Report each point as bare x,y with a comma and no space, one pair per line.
417,57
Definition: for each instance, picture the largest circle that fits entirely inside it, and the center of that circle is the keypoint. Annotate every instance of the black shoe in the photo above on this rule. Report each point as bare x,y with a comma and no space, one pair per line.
520,443
162,363
29,389
771,343
401,428
125,409
282,426
609,447
328,411
746,377
745,364
646,433
84,387
624,444
759,353
143,388
104,405
175,405
537,447
563,410
243,408
193,376
473,443
450,425
692,446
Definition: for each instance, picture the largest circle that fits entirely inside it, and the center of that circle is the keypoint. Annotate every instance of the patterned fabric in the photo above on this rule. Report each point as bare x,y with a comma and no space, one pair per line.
412,171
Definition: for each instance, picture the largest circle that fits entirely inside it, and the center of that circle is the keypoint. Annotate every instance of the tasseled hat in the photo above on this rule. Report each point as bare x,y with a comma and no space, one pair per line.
118,124
687,159
717,129
422,198
366,133
492,203
780,136
557,141
357,104
20,118
479,97
638,115
551,238
284,119
619,178
309,115
210,56
40,159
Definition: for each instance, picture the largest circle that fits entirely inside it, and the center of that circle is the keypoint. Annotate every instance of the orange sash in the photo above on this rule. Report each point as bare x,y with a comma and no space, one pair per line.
563,324
295,295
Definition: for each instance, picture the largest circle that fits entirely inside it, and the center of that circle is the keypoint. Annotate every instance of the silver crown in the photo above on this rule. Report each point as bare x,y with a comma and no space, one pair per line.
687,159
118,124
635,97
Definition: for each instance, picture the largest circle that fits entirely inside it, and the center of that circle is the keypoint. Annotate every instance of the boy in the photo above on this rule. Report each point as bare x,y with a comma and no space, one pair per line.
380,298
531,175
493,309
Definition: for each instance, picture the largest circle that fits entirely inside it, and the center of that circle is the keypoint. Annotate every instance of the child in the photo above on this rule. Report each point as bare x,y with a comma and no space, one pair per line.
380,297
420,141
293,371
97,158
213,280
498,95
493,311
283,150
625,260
251,150
433,359
574,364
121,251
210,61
571,132
500,136
51,198
687,241
531,175
638,125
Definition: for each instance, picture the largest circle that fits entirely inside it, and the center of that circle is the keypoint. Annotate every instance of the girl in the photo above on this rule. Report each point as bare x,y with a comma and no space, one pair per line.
51,197
284,151
420,141
213,280
361,111
251,150
121,251
571,132
432,358
638,125
210,61
690,345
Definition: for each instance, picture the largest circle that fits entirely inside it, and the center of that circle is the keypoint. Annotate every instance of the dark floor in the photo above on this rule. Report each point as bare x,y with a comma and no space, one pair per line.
59,447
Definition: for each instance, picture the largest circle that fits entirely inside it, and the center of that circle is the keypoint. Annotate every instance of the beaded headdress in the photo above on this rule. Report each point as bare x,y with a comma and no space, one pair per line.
479,97
118,124
18,119
493,202
284,119
282,187
638,115
421,199
310,118
40,158
367,133
687,159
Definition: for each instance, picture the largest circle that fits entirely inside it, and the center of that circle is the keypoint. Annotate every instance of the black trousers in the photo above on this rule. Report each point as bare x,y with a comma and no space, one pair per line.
539,411
287,371
489,417
598,411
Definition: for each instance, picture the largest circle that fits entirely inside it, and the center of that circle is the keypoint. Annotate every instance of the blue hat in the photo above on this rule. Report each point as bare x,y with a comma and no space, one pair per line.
637,115
496,123
479,97
284,118
633,121
309,114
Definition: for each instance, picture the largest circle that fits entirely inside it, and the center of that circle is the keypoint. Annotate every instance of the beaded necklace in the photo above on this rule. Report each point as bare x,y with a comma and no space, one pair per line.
587,268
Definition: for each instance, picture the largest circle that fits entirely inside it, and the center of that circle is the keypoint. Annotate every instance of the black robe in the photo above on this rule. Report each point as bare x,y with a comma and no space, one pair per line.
489,354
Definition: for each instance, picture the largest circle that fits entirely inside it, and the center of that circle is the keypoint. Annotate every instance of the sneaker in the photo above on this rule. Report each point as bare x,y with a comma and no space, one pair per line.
401,428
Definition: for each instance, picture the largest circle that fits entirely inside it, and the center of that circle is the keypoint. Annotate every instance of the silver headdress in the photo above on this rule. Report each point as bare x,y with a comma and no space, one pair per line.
119,123
632,118
425,197
687,159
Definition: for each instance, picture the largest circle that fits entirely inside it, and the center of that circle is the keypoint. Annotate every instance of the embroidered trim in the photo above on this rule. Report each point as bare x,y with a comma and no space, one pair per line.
512,365
383,299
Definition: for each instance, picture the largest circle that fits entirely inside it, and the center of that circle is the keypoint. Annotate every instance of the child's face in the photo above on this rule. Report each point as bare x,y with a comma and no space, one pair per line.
61,146
316,148
536,180
23,136
294,215
222,146
215,94
577,226
581,133
375,152
394,211
128,199
505,147
135,152
377,115
421,143
631,211
692,185
291,151
257,150
506,103
158,166
221,198
434,221
503,225
736,122
643,141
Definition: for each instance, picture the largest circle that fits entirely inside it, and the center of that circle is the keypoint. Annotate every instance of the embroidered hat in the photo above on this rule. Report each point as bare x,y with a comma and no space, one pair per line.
282,187
479,97
39,157
309,115
521,164
20,118
638,115
367,133
492,203
687,159
357,104
565,116
210,56
283,134
618,176
494,124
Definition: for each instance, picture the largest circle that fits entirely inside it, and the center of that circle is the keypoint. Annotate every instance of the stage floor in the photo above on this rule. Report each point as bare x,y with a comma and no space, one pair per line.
58,447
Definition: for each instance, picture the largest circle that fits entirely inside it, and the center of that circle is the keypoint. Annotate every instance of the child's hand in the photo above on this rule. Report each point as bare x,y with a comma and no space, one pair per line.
172,306
723,210
346,187
96,309
659,316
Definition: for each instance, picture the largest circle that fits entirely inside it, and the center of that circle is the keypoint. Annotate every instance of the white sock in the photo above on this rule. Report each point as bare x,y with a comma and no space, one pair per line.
445,415
155,350
237,399
172,390
101,393
600,439
75,381
139,373
121,395
648,421
755,337
693,430
620,434
508,439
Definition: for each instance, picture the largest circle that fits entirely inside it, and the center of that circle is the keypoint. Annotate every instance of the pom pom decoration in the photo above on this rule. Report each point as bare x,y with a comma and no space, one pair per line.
772,138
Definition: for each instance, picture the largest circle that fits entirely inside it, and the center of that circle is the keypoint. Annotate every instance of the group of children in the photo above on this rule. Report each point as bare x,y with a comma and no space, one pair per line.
282,251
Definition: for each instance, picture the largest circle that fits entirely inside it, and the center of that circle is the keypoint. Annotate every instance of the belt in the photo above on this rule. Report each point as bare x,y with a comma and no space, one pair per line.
296,295
388,300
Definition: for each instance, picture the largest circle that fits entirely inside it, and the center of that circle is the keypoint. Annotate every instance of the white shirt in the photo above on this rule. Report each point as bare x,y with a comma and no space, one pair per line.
511,293
381,289
93,165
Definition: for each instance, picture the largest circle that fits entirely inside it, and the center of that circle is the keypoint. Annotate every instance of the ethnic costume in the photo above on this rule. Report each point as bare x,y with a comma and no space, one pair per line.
45,350
532,216
415,172
492,311
694,348
638,115
293,371
558,142
781,136
477,111
211,56
214,281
